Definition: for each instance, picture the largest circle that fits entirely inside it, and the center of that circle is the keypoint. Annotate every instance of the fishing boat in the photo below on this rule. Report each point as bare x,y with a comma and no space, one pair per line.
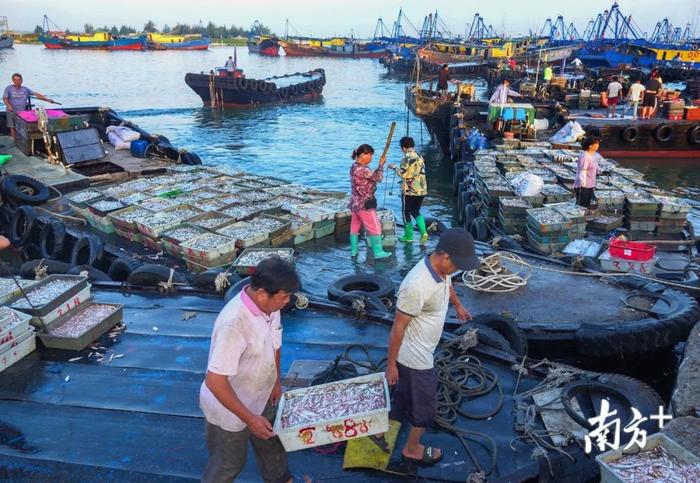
96,41
156,41
347,49
221,89
264,45
6,40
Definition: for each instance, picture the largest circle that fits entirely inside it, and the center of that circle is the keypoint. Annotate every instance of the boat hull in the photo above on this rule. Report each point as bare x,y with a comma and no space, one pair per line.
198,44
135,43
266,47
6,42
296,50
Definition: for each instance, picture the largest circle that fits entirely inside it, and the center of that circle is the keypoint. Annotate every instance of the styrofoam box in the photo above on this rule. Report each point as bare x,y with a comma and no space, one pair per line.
342,428
81,297
611,264
25,345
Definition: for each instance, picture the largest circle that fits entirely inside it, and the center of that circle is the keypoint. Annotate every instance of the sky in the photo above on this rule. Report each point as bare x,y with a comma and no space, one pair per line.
329,17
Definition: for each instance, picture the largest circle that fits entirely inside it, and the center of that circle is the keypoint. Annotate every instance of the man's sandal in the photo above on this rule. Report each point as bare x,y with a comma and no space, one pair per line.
428,457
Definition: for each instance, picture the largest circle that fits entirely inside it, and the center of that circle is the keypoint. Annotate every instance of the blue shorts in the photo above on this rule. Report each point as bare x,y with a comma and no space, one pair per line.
415,396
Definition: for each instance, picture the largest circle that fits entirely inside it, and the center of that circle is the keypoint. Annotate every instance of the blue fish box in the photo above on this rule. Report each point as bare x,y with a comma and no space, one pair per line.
138,148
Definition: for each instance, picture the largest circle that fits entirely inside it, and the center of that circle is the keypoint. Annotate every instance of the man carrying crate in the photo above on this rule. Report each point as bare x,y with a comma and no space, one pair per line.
421,307
242,385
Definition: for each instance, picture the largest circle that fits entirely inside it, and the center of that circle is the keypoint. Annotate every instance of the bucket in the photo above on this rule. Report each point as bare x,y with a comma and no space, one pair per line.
138,148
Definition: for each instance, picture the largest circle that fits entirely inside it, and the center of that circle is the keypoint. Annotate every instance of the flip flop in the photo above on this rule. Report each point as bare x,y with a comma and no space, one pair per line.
428,458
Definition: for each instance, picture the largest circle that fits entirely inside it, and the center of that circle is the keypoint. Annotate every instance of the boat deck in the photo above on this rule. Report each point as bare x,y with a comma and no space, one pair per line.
590,117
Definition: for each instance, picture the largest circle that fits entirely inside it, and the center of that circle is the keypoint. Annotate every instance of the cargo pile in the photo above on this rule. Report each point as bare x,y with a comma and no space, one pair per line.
207,215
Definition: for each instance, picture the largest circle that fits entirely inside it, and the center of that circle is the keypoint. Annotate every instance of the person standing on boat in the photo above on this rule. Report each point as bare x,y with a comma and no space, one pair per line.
414,187
242,384
421,307
651,91
614,90
443,79
16,99
502,92
577,63
230,64
634,97
586,171
547,74
363,204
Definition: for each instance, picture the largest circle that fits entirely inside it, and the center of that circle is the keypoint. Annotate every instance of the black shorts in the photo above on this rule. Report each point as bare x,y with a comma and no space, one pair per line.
649,100
584,196
411,207
415,396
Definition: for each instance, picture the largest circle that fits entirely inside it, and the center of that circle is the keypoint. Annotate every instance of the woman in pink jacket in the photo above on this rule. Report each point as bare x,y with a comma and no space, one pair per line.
363,204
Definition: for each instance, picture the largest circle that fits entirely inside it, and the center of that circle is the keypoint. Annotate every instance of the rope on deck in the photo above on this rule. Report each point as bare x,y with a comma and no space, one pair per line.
493,277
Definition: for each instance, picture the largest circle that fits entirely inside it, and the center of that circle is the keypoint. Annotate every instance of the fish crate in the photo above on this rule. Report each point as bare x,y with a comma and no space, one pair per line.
10,290
388,221
573,212
165,220
301,228
512,226
640,226
255,196
242,211
641,202
546,220
335,426
211,221
605,223
610,201
553,193
248,260
514,207
24,345
171,239
13,325
547,239
132,236
669,226
670,205
100,223
657,441
324,228
282,239
246,234
51,294
79,199
103,206
274,225
289,201
208,247
157,204
125,219
338,205
208,205
198,266
80,327
313,212
545,249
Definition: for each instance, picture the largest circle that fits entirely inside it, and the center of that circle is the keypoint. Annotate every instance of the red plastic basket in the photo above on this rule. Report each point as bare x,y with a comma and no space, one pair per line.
637,251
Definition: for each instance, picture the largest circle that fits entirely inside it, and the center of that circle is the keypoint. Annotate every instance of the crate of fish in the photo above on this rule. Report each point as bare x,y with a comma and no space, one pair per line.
575,213
126,218
13,325
313,212
669,227
169,218
333,412
157,204
24,345
241,211
103,206
324,228
670,206
546,220
209,246
10,290
255,196
79,199
554,193
661,459
388,221
49,294
545,249
250,258
514,206
246,234
610,201
512,226
641,203
550,239
605,223
302,229
274,225
338,205
212,220
270,207
80,327
171,239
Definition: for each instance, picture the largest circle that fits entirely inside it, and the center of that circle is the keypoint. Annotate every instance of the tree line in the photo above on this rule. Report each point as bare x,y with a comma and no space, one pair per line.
210,30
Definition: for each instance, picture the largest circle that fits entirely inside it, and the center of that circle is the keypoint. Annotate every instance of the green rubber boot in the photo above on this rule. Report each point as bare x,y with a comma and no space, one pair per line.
420,221
376,244
354,244
407,232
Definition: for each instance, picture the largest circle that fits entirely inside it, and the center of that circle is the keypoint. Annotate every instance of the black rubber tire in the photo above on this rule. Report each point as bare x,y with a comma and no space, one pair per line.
479,230
372,303
122,267
190,159
206,279
52,267
470,214
574,388
663,133
487,336
694,135
163,139
630,134
439,226
367,283
23,226
94,275
643,397
24,190
507,327
88,250
243,83
31,251
53,241
150,274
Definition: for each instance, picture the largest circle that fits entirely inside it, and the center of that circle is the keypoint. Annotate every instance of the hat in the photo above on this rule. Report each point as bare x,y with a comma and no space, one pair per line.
459,245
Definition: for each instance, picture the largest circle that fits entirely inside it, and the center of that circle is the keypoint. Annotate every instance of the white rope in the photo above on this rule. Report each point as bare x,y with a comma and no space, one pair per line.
40,271
302,301
221,281
493,277
168,286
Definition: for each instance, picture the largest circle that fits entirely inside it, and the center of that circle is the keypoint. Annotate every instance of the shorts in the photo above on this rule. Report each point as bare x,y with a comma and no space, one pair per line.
415,396
10,119
649,99
613,101
584,196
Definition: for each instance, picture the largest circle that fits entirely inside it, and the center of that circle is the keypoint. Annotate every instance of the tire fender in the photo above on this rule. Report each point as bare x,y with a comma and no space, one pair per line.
15,187
52,239
88,250
23,225
630,134
663,133
694,135
150,274
121,268
367,283
507,327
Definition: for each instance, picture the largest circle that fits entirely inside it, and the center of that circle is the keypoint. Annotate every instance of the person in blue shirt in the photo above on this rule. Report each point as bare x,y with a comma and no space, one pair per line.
16,98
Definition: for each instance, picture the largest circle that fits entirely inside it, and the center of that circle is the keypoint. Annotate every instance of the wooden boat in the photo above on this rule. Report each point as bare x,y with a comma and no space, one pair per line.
348,49
177,42
6,40
96,41
268,46
223,90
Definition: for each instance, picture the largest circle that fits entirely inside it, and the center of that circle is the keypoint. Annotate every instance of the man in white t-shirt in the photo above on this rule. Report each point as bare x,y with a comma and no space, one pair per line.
634,97
242,384
614,90
421,306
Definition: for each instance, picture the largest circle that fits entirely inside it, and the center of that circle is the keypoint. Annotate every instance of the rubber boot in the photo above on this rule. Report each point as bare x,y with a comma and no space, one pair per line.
376,244
407,232
420,221
354,244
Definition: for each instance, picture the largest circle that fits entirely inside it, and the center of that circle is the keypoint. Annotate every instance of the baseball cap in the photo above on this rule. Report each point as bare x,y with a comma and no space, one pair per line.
459,245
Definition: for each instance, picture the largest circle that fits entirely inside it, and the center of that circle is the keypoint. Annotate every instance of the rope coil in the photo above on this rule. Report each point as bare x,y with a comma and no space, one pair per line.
493,277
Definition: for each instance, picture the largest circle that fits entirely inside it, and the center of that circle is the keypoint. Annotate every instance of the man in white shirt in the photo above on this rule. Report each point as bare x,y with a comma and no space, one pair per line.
614,90
242,384
230,64
634,97
421,306
502,92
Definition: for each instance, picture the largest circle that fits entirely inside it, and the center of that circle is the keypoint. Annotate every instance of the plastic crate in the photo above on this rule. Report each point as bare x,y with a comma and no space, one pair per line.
125,219
25,345
79,199
225,248
9,289
630,250
110,204
323,229
13,324
329,431
79,284
86,338
171,240
246,269
244,235
614,264
560,225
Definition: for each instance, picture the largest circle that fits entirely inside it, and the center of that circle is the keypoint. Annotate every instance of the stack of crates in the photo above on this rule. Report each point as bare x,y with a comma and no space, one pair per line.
674,110
575,214
388,221
554,193
672,215
512,214
490,190
547,230
640,212
610,202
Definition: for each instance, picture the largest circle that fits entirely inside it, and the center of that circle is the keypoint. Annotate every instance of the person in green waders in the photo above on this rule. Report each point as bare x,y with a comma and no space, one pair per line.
414,187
